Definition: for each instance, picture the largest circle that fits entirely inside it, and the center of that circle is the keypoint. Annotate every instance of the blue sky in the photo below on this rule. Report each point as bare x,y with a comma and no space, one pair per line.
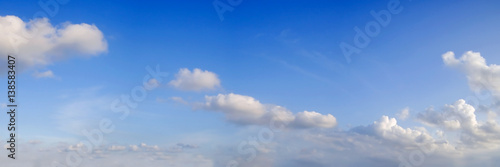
279,53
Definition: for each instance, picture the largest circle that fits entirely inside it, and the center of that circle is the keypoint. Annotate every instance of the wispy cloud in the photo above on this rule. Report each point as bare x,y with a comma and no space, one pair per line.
45,74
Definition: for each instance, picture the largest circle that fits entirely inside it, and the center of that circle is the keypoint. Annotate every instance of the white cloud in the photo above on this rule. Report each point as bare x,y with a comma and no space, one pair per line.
242,109
480,75
388,129
313,119
45,74
237,108
462,117
403,115
39,43
197,80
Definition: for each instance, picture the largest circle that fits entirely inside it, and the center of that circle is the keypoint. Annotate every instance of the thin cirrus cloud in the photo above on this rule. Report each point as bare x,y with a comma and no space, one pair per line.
38,43
45,74
196,80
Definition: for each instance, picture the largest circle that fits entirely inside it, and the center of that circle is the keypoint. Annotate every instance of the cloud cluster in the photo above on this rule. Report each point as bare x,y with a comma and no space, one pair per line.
388,130
382,143
196,80
243,109
462,117
38,43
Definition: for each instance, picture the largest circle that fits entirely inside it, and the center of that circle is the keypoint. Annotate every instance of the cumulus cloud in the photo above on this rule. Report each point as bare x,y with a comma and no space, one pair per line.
237,108
461,117
243,109
387,128
39,43
196,80
481,76
313,119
